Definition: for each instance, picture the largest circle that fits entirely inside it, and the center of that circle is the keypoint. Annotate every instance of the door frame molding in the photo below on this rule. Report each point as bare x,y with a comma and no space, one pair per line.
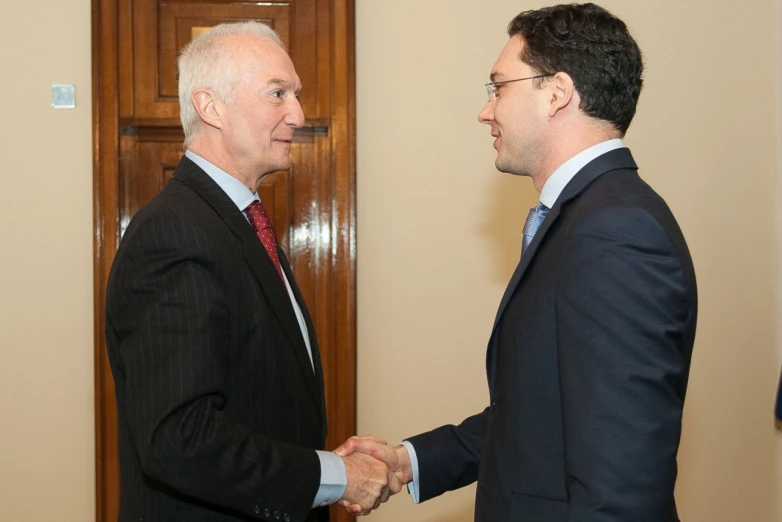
340,392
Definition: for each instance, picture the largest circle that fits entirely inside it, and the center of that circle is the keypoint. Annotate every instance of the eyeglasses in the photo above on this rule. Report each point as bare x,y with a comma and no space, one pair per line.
491,87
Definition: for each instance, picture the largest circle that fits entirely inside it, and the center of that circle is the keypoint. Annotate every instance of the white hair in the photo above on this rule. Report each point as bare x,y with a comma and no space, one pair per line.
205,64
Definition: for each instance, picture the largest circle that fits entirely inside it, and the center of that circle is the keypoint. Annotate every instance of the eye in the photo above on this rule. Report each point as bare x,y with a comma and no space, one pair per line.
278,93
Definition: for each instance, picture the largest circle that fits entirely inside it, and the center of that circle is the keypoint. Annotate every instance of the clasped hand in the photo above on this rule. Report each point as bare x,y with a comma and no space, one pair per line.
375,472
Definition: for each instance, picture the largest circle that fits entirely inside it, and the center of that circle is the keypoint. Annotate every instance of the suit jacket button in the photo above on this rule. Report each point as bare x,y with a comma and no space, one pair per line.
257,510
266,513
287,517
276,515
493,406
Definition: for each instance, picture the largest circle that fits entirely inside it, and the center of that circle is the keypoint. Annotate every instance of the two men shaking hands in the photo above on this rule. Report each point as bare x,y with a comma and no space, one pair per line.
216,366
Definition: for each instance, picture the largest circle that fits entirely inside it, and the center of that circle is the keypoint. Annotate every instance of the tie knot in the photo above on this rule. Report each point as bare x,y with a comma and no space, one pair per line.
535,217
540,208
256,214
534,220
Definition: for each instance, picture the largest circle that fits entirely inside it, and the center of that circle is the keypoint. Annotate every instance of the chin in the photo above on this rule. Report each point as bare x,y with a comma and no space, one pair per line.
281,165
507,168
501,165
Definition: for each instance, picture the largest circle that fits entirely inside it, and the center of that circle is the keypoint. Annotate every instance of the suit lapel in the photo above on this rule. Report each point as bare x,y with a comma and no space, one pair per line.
257,259
304,360
613,160
525,260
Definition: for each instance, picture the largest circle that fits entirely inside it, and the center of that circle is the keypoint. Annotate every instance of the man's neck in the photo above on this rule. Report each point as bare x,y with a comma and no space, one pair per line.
220,159
570,144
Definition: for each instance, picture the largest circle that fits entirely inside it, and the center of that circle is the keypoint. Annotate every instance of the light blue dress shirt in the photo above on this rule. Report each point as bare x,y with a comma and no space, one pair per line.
553,187
333,475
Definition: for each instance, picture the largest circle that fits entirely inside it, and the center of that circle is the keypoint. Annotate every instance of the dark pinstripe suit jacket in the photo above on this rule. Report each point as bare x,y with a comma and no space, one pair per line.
219,407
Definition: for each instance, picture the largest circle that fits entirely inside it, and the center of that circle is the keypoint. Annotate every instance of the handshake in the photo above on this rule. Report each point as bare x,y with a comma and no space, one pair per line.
375,471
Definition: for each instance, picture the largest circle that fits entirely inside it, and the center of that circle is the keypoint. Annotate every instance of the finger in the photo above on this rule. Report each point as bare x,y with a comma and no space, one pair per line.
351,445
374,449
394,483
385,493
347,447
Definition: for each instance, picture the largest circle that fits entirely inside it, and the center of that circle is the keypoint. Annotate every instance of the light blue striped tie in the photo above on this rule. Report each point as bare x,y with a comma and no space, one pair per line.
534,219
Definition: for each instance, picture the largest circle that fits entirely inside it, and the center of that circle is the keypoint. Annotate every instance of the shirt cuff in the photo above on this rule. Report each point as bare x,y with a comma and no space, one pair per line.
333,479
413,487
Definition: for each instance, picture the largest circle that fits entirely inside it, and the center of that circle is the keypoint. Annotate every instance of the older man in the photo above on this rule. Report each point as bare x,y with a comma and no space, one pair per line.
218,378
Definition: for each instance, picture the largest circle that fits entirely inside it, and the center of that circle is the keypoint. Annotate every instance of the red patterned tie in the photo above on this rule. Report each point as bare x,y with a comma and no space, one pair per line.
259,219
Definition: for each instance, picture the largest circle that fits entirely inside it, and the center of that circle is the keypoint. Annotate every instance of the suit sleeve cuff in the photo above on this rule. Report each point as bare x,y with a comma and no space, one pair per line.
413,487
333,479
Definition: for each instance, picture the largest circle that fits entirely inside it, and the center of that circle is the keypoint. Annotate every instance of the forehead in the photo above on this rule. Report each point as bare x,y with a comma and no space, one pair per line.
261,57
509,61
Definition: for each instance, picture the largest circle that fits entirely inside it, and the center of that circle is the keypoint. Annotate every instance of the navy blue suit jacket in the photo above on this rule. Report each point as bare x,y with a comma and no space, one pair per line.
587,366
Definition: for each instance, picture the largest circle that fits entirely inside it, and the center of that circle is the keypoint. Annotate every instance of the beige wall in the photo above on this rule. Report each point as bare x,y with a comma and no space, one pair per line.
439,228
438,237
46,384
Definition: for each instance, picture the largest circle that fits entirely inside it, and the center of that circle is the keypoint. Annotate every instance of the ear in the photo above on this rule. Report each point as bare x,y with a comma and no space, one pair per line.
209,107
563,93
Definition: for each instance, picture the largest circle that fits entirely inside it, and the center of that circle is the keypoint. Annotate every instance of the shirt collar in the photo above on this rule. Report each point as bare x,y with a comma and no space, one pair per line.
234,189
562,176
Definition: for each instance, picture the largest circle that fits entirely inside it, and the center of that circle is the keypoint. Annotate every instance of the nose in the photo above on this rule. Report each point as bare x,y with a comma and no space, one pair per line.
487,114
295,115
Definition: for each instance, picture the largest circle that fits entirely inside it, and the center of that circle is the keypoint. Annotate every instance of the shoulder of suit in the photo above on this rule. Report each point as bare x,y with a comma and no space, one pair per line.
177,209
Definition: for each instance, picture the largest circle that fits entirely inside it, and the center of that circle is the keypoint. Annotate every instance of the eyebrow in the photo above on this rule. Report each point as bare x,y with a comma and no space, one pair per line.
282,83
493,76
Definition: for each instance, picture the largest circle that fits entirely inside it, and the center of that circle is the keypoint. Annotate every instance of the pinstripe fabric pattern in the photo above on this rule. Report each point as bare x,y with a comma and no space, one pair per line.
219,409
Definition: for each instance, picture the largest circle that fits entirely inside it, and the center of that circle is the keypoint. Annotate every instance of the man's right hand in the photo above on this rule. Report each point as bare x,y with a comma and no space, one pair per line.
370,483
396,459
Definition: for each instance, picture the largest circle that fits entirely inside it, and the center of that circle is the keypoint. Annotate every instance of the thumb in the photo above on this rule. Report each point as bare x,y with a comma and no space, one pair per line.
346,449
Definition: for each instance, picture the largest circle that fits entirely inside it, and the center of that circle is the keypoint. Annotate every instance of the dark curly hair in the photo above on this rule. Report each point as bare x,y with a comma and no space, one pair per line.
591,45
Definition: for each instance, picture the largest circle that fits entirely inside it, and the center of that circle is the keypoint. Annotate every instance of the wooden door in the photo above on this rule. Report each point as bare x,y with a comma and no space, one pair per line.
138,142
